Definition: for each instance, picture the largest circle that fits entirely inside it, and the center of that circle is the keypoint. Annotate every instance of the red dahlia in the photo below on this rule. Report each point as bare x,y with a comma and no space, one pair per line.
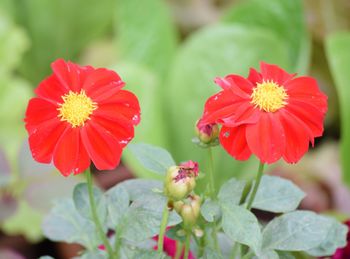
80,114
271,114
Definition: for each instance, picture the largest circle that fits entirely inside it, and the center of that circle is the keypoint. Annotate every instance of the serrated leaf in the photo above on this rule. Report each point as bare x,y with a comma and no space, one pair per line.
82,202
241,225
295,231
231,191
335,238
153,158
211,210
277,195
117,203
64,223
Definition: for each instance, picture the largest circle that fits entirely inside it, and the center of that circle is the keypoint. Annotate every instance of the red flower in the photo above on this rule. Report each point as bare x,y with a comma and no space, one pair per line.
271,114
170,247
80,114
344,253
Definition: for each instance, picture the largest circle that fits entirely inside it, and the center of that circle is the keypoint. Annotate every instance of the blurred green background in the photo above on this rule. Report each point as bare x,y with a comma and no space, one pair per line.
168,53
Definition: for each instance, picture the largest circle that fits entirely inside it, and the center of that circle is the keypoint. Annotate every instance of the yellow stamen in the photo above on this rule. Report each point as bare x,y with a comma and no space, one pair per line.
76,108
269,96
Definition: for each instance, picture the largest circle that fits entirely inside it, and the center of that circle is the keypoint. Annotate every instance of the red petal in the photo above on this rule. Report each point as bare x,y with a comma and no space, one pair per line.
120,128
242,83
228,84
102,147
122,103
244,113
309,114
51,90
70,155
219,106
70,75
306,89
38,112
43,139
274,73
234,142
297,137
254,76
266,138
102,83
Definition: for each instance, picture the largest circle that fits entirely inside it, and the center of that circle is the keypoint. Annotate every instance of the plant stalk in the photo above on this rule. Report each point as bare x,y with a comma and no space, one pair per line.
163,228
256,185
187,244
95,216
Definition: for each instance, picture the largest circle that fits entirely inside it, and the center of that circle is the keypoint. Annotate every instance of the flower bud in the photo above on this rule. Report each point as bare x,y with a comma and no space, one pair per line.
207,133
180,180
189,210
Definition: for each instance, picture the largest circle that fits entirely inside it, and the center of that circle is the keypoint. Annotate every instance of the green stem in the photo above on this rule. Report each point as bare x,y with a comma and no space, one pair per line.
117,243
163,228
187,245
95,217
235,249
179,249
211,174
248,255
214,234
256,186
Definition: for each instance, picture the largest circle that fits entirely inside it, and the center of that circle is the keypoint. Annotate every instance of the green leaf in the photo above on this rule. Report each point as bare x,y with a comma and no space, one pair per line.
137,188
117,203
335,238
277,195
82,202
96,254
153,158
295,231
149,254
209,53
142,220
145,33
211,254
338,55
285,255
65,223
284,18
210,210
268,255
241,225
231,191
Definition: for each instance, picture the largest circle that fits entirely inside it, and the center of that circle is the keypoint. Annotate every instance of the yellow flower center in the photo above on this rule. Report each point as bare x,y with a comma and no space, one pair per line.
269,96
76,108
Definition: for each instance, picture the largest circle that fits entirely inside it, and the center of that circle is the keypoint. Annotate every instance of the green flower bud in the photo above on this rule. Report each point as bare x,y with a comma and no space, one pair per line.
189,210
207,133
180,180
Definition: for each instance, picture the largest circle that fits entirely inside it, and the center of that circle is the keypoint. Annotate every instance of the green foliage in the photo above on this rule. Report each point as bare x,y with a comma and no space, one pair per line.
65,223
211,210
298,231
118,202
277,195
82,202
153,158
145,33
338,54
283,18
231,191
241,225
211,254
